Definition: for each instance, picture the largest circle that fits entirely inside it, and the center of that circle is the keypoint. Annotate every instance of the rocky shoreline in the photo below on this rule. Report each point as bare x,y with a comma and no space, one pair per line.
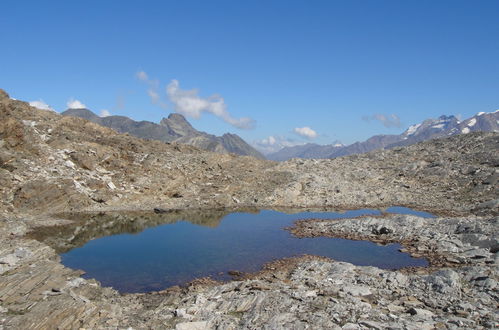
51,164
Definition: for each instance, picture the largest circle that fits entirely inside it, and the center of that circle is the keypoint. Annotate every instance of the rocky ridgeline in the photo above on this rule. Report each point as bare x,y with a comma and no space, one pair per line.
51,164
175,128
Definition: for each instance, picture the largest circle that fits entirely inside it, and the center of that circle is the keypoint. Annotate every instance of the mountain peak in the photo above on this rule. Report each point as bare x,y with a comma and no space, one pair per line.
179,125
82,113
428,129
177,117
174,128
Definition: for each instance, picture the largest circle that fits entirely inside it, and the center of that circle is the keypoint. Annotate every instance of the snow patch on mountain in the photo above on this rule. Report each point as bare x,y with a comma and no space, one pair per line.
412,129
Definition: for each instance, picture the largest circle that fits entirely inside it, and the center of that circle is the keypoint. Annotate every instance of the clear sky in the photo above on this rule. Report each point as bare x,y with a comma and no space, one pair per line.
261,68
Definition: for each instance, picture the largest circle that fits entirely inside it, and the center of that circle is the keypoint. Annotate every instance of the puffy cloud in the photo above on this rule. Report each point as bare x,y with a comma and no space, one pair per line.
387,120
306,132
189,103
40,104
269,141
75,104
274,143
104,113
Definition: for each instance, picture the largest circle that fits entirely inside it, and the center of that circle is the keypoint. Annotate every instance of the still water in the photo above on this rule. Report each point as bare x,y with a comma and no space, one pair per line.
183,249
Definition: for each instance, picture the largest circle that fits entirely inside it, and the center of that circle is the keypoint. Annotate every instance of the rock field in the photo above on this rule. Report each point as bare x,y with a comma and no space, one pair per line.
50,164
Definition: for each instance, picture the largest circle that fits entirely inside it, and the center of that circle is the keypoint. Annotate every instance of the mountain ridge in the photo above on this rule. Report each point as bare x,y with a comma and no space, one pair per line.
428,129
174,128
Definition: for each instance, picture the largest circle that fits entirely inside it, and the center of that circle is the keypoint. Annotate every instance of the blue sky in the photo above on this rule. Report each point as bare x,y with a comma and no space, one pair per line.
282,65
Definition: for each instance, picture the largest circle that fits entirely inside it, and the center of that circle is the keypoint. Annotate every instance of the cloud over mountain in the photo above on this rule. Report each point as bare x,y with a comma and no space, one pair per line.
306,132
191,104
75,104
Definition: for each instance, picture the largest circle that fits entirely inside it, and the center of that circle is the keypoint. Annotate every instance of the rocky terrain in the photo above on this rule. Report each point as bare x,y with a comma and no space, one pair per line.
51,164
175,128
443,126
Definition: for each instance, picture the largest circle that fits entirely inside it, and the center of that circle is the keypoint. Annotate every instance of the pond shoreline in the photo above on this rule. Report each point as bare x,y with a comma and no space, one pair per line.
155,250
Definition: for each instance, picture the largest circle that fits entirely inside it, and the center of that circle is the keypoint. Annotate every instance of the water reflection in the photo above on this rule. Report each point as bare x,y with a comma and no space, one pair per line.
85,227
146,251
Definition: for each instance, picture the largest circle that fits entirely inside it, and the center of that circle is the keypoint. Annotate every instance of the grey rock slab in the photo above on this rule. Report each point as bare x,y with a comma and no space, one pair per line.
199,325
372,324
357,290
9,259
420,312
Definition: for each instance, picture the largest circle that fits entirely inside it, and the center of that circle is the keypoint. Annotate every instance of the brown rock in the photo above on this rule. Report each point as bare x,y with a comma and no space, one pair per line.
83,160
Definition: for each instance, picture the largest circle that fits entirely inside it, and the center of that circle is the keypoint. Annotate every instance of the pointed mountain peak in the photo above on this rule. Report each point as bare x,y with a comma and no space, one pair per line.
179,125
177,117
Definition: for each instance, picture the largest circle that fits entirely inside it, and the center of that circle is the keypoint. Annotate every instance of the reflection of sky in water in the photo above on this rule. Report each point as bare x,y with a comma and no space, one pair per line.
172,254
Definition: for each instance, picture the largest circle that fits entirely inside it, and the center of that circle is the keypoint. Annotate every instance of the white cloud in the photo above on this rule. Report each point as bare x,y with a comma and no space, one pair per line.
274,143
75,104
40,104
104,113
306,132
270,140
153,90
388,121
189,103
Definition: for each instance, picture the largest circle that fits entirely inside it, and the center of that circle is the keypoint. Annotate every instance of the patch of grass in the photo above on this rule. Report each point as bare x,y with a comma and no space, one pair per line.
236,314
12,312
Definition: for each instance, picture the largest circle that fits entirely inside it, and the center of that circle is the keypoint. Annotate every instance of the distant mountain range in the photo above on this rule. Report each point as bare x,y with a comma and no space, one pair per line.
175,128
428,129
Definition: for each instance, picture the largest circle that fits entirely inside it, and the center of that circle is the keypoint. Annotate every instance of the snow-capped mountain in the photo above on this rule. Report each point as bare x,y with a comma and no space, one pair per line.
428,129
449,125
